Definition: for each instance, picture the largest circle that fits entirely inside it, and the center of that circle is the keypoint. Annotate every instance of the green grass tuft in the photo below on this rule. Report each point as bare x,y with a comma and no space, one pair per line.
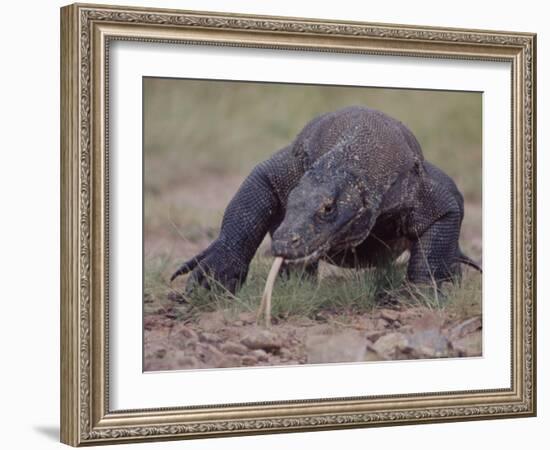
348,292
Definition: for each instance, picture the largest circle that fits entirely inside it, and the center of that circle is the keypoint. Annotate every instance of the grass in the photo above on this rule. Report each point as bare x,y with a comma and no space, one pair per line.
155,286
348,292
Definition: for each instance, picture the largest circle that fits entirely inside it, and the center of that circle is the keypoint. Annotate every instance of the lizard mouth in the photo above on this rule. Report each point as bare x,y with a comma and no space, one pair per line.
284,248
309,258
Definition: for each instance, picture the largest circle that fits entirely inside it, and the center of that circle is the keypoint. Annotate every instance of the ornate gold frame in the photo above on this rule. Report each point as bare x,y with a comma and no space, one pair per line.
86,31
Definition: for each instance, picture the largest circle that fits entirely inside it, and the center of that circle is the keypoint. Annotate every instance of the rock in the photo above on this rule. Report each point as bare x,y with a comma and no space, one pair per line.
365,323
149,322
160,353
260,355
152,365
209,337
381,323
184,331
470,345
183,337
371,354
391,345
374,335
428,320
285,353
347,346
215,351
261,339
230,361
429,344
156,335
233,347
410,314
187,362
248,360
389,314
212,322
172,359
466,327
209,354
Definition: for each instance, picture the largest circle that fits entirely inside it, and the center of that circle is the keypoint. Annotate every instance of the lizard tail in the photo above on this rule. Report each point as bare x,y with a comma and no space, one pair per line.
462,258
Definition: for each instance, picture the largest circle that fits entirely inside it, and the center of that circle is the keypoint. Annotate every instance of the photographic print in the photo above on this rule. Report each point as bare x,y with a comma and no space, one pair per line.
288,224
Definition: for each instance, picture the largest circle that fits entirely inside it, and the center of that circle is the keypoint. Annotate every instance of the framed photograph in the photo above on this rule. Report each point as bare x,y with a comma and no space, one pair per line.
275,224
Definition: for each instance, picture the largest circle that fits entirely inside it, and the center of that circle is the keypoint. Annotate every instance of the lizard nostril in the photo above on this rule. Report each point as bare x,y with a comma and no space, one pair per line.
295,239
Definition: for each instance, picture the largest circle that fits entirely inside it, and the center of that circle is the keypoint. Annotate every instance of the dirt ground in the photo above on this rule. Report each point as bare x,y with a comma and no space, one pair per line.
213,341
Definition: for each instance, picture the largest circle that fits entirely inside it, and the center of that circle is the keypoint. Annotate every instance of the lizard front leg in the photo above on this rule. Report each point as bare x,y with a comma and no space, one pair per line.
247,219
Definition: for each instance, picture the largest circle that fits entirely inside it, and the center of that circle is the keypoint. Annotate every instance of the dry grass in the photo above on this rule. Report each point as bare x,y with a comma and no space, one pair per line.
338,292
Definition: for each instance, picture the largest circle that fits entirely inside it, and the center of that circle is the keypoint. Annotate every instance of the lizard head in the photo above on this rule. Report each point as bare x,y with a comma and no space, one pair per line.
320,214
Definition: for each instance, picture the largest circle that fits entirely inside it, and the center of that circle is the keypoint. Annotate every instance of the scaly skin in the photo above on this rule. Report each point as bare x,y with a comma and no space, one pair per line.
353,189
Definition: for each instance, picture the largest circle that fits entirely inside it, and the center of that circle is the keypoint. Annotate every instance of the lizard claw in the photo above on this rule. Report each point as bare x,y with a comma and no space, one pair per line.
214,267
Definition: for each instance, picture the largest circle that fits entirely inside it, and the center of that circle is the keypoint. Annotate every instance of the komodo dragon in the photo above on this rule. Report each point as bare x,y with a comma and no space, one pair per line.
352,189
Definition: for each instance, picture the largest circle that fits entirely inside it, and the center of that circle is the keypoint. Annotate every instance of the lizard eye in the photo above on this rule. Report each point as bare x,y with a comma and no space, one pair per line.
327,210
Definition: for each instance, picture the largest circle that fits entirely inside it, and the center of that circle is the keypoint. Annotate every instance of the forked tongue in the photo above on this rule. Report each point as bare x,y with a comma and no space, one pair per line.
265,305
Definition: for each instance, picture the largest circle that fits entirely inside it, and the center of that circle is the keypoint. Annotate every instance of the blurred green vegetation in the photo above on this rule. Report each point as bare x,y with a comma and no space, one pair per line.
194,126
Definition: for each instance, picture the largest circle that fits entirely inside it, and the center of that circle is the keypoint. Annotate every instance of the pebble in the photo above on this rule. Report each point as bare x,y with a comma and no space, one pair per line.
429,344
389,315
160,353
185,331
285,353
374,335
233,347
209,337
345,346
260,354
248,360
388,345
230,361
382,323
187,362
212,322
469,345
466,327
262,339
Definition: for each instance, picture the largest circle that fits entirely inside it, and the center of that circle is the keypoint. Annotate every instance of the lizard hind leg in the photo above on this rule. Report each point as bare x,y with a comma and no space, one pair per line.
434,254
